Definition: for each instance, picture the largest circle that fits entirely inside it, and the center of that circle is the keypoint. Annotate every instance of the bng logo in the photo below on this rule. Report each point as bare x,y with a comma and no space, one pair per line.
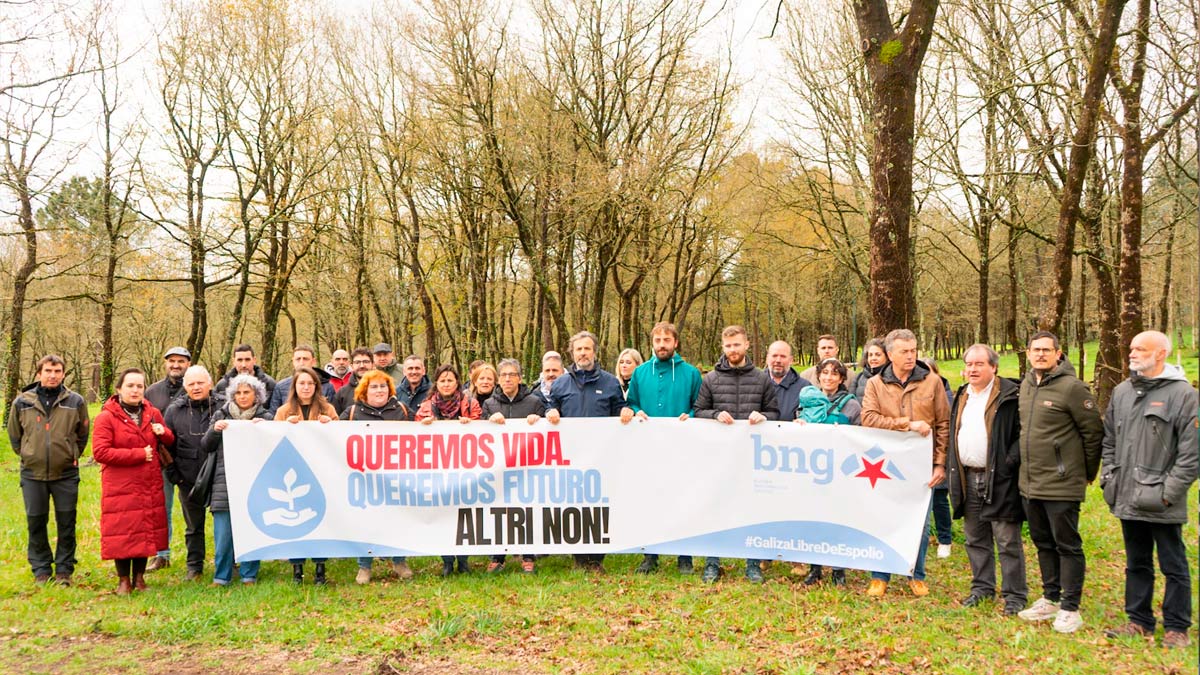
872,465
286,500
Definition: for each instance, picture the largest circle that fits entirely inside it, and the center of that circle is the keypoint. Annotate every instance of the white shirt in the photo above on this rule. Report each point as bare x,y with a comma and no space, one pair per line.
972,427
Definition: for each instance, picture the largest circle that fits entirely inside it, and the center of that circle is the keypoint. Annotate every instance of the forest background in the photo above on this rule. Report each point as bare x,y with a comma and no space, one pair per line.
479,179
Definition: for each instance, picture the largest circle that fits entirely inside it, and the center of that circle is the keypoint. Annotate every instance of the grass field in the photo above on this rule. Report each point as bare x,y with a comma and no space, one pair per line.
559,621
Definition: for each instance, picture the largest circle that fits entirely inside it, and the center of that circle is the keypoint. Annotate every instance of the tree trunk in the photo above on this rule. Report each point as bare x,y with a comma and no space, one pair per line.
21,279
1082,147
893,62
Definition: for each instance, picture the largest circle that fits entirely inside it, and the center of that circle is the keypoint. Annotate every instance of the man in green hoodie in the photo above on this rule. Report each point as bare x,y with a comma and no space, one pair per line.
1061,433
1150,461
665,386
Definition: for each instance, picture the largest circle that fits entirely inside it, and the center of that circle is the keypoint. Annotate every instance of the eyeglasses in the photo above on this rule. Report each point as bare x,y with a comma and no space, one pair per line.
506,375
1042,350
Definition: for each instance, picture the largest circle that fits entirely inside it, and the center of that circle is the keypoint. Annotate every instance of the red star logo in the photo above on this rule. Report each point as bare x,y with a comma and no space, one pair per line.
872,471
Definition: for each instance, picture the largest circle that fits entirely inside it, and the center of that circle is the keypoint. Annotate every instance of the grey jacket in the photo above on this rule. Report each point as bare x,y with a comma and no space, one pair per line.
1149,453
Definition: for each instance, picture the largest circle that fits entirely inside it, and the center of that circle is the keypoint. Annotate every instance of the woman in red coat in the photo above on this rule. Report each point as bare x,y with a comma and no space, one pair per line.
133,517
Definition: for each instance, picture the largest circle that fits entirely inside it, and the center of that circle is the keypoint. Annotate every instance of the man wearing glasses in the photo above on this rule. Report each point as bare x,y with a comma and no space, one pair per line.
1061,433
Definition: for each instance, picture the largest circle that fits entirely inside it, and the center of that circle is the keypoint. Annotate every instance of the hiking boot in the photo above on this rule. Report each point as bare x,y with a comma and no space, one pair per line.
448,567
62,579
41,578
1042,610
974,599
1130,629
528,567
919,588
838,577
158,562
712,572
401,569
814,575
648,565
877,588
124,586
139,581
297,573
193,575
1175,639
943,551
798,569
754,573
495,567
319,574
363,577
1067,621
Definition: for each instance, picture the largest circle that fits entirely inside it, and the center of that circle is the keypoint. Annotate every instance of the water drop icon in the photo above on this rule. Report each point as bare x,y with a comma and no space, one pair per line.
286,500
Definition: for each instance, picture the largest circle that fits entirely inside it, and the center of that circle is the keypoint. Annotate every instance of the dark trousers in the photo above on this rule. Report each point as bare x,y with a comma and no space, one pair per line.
37,495
984,540
193,536
589,558
1054,529
130,566
1141,538
941,514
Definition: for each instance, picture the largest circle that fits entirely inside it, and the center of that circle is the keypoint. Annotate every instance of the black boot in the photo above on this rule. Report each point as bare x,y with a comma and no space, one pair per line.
839,577
447,565
814,575
298,573
319,574
463,566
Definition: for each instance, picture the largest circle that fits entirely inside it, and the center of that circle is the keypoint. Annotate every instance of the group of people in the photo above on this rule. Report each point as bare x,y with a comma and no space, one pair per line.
1005,451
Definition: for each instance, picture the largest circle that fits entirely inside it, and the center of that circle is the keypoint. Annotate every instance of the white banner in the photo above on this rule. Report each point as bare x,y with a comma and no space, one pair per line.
834,495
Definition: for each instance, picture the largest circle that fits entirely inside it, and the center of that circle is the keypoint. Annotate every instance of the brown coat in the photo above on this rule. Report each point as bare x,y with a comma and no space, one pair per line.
889,405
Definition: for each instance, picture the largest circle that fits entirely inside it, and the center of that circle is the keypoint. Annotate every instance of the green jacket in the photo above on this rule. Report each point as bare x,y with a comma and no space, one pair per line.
1061,432
664,388
48,442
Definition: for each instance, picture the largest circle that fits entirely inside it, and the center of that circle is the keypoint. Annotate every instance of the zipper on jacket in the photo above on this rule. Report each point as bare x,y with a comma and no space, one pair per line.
1062,470
1029,425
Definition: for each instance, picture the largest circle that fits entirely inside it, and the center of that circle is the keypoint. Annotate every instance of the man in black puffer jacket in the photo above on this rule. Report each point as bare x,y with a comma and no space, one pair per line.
189,418
982,459
736,390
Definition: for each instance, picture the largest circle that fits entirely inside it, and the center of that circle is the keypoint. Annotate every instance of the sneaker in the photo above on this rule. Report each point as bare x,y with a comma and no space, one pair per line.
974,599
877,588
754,573
495,567
943,551
1067,621
685,565
919,588
648,565
158,562
1175,639
1042,610
1130,629
712,572
363,577
528,567
401,569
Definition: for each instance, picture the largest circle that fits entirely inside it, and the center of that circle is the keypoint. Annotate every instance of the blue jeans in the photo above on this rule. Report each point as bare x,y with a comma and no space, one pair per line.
941,514
169,493
223,562
365,563
918,569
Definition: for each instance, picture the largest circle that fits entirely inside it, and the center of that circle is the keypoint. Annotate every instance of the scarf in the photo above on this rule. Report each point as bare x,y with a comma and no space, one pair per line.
448,408
135,413
236,413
